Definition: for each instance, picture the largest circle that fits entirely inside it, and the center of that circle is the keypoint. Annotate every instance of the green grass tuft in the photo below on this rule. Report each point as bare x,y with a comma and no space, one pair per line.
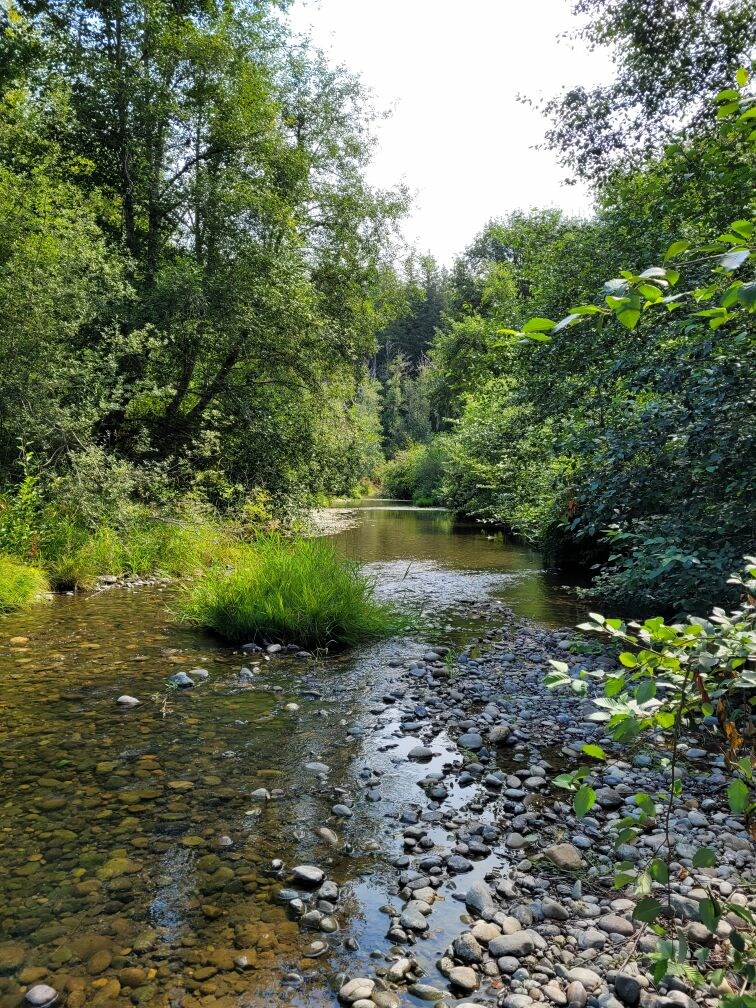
20,585
300,591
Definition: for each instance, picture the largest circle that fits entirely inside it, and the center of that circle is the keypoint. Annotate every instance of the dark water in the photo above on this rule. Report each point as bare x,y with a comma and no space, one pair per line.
114,886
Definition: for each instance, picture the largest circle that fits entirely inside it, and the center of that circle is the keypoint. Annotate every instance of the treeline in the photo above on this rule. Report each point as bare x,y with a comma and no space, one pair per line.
193,265
621,441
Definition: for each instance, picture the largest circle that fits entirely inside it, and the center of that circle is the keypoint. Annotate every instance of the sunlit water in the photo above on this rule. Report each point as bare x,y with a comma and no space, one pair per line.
114,887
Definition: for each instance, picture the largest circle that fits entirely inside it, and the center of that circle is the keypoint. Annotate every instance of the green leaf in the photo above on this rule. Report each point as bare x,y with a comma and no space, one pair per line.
565,322
704,858
729,94
709,913
733,260
646,691
564,780
675,249
629,318
726,110
737,795
538,325
628,659
659,870
741,76
744,228
584,800
614,685
645,802
594,750
747,294
647,909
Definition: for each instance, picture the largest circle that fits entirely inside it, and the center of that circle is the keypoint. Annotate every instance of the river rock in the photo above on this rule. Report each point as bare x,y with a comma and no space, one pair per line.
128,701
327,835
479,898
181,679
464,978
466,948
413,920
309,874
425,992
614,924
553,910
564,855
576,994
356,990
627,988
41,995
587,977
518,944
499,734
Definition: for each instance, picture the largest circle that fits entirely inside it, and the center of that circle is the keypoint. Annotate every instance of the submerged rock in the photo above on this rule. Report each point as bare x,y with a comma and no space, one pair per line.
41,995
181,679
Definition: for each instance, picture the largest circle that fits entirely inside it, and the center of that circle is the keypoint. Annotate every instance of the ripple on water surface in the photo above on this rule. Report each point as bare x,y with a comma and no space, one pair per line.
119,883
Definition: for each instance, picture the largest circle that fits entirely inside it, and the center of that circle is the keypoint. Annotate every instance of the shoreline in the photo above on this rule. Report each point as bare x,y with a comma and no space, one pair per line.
541,922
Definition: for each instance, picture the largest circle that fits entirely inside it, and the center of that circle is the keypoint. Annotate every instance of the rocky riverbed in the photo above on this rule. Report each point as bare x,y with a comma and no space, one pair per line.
540,922
378,829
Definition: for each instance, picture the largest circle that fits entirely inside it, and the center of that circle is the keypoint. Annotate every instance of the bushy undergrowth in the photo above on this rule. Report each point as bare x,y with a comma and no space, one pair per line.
415,474
142,545
73,547
300,591
20,585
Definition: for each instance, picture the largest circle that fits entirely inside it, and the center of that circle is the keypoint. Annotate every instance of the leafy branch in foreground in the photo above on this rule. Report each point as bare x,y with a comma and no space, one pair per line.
631,295
698,675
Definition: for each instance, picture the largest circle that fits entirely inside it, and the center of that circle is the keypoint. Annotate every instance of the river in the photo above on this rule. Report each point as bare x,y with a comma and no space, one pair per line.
135,867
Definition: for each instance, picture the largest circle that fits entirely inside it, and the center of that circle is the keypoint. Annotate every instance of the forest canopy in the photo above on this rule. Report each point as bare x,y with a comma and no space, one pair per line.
205,305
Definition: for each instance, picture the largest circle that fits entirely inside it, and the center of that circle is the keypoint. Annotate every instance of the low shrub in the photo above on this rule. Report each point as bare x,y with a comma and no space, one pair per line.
20,585
299,590
415,474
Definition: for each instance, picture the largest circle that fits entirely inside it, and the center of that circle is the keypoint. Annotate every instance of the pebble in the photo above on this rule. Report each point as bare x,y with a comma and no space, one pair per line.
41,995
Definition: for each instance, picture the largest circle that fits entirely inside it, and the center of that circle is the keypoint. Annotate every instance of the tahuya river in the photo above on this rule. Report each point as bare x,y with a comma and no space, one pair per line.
137,864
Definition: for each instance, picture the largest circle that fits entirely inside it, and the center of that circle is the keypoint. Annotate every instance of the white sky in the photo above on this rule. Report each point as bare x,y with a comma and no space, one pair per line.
451,70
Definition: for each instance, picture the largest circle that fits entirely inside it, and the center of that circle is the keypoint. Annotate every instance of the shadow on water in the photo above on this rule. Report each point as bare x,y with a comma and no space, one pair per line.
135,863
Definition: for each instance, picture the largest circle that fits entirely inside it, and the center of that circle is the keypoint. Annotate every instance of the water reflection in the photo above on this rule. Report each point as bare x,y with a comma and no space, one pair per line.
135,864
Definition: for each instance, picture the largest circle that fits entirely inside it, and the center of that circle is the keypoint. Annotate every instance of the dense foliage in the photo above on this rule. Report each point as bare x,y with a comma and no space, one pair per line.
194,267
619,437
203,312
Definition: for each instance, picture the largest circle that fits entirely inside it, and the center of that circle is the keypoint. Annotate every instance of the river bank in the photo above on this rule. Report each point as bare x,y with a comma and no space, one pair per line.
290,824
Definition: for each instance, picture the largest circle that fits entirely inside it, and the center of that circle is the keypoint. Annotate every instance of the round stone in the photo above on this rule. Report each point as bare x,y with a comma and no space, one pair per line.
41,995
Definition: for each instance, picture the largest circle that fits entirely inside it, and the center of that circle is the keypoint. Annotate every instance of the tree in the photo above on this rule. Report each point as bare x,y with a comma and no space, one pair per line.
670,57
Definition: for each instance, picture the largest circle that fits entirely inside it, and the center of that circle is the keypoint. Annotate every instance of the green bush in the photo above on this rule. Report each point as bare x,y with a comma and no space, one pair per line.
415,473
20,586
278,590
75,547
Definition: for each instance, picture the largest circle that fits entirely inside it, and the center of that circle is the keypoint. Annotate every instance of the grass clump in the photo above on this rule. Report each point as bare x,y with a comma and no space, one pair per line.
20,585
280,590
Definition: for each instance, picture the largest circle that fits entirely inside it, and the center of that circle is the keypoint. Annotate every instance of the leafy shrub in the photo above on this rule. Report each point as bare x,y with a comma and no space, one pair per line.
278,590
415,473
20,585
698,675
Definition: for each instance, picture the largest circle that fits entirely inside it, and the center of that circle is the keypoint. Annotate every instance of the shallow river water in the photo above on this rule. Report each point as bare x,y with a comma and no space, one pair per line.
135,866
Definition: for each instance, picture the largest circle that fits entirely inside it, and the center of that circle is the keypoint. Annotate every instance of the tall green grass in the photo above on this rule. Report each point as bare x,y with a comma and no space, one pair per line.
300,591
143,546
20,585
